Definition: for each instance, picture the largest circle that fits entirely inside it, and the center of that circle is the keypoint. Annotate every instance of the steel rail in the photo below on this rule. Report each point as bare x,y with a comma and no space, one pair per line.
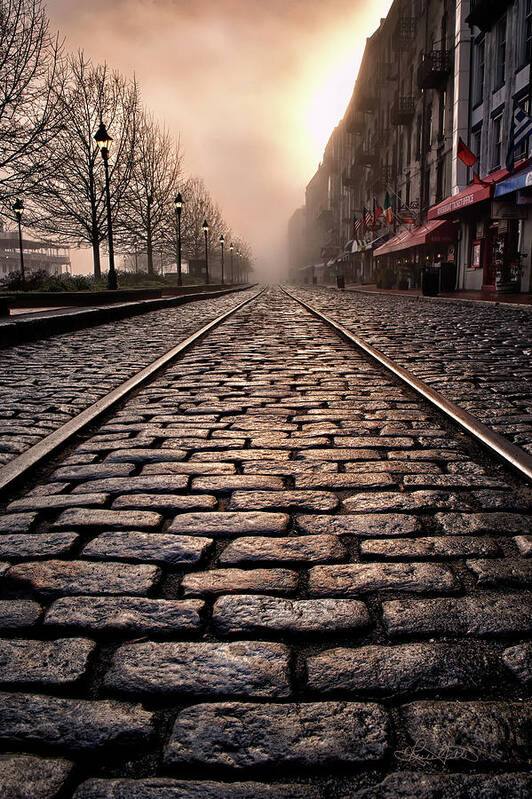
510,453
15,470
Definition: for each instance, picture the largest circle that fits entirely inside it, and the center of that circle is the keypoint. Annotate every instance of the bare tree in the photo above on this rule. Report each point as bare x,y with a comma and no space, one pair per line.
70,204
149,201
30,112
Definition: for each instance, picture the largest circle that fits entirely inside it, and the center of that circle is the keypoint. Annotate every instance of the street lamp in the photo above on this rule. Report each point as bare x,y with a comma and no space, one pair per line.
149,238
178,203
206,232
222,240
104,141
18,208
232,248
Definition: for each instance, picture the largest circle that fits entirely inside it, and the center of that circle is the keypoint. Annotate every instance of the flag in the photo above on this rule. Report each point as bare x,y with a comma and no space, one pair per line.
406,217
377,212
388,210
479,181
367,218
520,130
358,225
465,155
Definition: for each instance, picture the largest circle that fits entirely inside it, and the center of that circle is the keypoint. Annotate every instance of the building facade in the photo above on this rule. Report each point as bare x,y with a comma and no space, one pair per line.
435,72
38,255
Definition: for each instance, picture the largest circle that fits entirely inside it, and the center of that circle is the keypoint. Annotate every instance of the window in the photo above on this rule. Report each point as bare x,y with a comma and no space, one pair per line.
500,52
526,36
418,139
496,141
479,56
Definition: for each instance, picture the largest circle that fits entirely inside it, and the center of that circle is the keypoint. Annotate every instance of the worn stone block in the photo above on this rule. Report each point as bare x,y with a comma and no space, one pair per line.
272,500
71,724
59,501
148,547
227,483
164,502
112,519
480,616
51,577
401,669
60,662
301,549
259,614
125,614
240,581
17,614
352,579
240,735
502,571
36,545
220,523
243,669
429,547
364,525
399,501
30,777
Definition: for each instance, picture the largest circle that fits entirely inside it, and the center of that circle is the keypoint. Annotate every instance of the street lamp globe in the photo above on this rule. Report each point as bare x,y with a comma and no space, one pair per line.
178,203
205,226
103,138
18,208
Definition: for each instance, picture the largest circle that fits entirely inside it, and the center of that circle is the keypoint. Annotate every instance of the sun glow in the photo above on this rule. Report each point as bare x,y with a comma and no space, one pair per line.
328,102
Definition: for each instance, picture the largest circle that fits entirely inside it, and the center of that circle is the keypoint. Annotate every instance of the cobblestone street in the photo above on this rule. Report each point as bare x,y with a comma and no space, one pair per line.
478,355
44,384
274,572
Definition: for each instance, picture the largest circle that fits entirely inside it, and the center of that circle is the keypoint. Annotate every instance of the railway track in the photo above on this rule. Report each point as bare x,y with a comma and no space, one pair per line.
267,567
21,466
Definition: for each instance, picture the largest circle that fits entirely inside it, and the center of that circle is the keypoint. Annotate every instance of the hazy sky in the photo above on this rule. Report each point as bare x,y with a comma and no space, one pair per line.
254,88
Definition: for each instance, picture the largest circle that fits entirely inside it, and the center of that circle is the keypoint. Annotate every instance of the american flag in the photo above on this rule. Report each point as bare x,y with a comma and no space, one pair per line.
367,217
358,225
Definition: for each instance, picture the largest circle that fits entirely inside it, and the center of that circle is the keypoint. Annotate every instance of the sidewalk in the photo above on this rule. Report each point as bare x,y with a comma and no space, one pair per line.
471,296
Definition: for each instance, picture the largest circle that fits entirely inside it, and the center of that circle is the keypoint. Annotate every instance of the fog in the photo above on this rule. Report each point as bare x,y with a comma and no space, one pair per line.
253,88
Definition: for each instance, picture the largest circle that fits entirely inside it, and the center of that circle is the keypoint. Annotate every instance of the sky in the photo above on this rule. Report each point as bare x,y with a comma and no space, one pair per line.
253,88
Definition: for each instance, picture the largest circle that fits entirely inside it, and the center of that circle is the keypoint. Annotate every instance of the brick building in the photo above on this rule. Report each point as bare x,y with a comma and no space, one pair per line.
434,72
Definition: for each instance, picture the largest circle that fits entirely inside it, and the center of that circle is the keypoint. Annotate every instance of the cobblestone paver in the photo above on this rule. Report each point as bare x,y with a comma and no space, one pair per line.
477,355
45,383
233,589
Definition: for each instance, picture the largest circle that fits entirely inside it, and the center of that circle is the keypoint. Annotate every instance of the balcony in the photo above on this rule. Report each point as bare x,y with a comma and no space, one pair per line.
485,13
366,156
403,110
331,163
434,69
355,122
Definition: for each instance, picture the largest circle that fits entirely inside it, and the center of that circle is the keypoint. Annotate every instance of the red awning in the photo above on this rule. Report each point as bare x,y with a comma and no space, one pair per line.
474,193
435,232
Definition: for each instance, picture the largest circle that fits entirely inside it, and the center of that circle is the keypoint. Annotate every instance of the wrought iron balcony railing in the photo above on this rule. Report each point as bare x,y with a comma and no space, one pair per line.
434,69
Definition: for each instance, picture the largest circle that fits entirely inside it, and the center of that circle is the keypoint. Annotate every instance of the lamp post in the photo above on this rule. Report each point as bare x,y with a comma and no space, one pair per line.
206,232
104,140
18,208
222,240
232,248
178,204
149,242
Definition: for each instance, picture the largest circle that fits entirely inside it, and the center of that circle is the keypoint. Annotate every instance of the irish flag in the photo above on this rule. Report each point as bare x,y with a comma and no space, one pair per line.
388,210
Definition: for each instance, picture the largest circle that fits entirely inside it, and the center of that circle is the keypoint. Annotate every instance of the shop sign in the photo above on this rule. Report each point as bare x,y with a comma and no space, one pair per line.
450,254
502,209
